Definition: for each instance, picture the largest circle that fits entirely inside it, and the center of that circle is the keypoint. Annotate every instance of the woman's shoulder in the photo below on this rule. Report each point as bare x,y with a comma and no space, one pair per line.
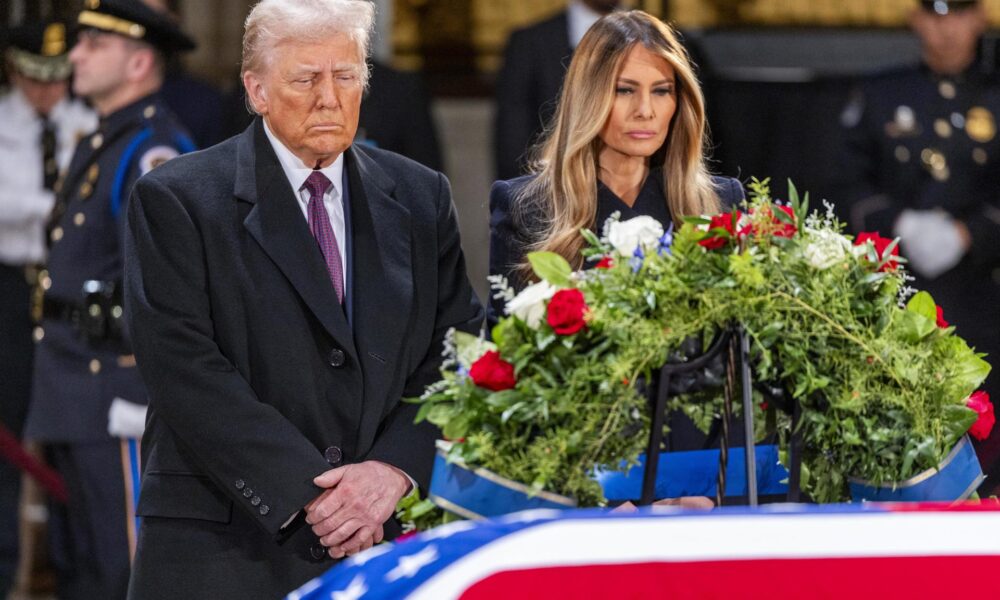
729,189
504,191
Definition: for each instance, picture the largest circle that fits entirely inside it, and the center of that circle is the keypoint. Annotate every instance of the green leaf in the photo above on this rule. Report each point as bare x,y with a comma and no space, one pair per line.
697,220
793,194
915,326
425,409
456,428
551,267
923,304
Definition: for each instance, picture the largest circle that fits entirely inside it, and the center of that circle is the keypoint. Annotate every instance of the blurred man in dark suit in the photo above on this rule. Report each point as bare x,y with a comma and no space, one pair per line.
197,104
396,115
528,84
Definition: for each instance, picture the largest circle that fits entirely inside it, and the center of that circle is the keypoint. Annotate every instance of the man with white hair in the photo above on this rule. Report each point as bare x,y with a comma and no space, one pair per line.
287,290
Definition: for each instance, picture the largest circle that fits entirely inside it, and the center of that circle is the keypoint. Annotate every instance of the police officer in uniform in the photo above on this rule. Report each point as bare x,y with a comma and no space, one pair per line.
39,127
923,163
88,400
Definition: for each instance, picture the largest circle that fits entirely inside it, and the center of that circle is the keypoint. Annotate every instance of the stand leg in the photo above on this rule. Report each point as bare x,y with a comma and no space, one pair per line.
655,439
750,455
795,456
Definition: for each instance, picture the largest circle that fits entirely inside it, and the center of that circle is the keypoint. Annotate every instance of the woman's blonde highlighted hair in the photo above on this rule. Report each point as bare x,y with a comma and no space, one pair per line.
562,197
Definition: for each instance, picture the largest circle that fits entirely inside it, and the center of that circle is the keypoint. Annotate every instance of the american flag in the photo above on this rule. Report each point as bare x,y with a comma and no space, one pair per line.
778,551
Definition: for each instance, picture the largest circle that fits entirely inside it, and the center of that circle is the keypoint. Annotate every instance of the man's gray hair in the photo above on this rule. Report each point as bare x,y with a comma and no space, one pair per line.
272,22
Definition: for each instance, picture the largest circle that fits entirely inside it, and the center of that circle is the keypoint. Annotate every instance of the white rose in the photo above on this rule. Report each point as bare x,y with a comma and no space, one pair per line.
643,231
529,305
826,248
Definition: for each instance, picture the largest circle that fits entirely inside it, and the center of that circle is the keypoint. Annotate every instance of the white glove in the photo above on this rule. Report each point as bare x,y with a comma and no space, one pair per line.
126,419
930,241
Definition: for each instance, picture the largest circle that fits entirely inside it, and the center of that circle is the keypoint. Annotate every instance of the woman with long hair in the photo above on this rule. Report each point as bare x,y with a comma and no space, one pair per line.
628,135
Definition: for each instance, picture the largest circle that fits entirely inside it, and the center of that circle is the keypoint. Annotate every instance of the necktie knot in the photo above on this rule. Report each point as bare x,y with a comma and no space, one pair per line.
317,183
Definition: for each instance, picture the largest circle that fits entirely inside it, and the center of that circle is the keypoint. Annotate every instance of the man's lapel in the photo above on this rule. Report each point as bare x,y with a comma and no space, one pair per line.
382,278
277,223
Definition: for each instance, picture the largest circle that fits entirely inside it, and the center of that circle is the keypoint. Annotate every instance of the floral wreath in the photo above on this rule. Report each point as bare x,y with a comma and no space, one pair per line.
886,387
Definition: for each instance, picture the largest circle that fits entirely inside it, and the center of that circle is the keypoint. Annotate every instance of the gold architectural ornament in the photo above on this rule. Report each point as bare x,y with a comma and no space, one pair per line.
980,124
822,13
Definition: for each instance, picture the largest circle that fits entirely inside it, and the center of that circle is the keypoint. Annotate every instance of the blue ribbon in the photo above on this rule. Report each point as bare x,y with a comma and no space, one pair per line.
955,479
695,473
479,493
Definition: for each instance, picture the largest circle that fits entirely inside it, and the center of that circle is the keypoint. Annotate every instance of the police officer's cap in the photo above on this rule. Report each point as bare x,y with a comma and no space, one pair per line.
133,19
944,7
40,50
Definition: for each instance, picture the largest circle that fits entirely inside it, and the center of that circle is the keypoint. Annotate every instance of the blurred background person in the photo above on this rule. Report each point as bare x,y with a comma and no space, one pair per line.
39,127
396,115
922,162
528,83
88,400
198,104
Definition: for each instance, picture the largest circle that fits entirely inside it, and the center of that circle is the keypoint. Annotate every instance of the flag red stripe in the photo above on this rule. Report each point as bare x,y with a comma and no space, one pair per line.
881,577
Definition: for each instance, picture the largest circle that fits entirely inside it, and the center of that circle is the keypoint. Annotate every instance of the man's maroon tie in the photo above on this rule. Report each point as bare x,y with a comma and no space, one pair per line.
319,224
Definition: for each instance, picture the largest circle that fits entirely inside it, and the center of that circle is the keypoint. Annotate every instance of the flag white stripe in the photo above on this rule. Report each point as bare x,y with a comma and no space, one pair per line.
745,537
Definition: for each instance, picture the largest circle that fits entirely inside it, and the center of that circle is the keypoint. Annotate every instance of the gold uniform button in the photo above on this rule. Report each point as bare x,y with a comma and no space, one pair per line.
902,154
95,366
38,334
79,219
86,189
92,173
57,234
947,90
149,112
97,141
979,155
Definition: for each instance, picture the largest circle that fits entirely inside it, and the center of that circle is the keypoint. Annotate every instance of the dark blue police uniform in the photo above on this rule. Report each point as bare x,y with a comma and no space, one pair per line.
83,360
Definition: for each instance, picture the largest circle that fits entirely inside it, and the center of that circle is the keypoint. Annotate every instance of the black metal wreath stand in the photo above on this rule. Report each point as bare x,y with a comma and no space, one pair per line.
735,342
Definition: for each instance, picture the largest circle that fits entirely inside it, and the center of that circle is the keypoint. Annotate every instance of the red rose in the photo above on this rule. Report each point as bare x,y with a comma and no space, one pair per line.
785,230
723,221
605,263
566,312
492,372
940,318
980,402
880,244
777,227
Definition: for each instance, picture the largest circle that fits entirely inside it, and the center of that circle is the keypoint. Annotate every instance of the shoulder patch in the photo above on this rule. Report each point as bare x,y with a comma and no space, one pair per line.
156,156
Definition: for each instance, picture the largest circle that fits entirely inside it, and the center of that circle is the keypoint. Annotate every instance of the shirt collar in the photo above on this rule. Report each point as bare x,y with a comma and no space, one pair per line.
296,171
580,20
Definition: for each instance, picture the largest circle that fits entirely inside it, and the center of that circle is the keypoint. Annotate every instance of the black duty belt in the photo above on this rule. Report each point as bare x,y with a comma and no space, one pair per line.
99,318
57,310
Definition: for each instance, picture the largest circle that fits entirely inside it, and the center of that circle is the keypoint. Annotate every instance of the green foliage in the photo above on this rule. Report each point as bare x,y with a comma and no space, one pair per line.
882,387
